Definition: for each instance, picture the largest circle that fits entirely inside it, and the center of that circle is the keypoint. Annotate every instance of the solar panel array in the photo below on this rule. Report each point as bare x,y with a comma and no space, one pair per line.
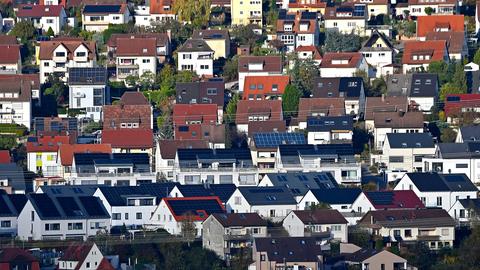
45,205
359,11
4,209
381,198
182,207
102,8
274,139
70,207
93,206
88,75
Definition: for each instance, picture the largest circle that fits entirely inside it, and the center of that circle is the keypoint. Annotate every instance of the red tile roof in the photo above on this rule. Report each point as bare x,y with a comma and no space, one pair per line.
205,113
208,132
374,105
320,106
37,11
8,255
401,199
134,98
271,63
341,60
8,40
270,108
133,108
5,157
46,143
311,24
71,44
262,86
425,24
434,49
105,265
136,47
200,214
307,4
454,103
266,126
9,54
168,148
66,151
133,138
77,252
312,49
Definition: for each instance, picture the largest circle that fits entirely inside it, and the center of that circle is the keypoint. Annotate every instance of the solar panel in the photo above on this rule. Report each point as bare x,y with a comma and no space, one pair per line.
70,207
274,139
381,198
45,205
88,75
102,9
182,207
266,190
4,209
92,205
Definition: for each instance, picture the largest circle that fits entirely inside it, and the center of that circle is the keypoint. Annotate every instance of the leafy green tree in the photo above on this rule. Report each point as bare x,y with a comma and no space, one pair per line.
359,237
476,57
195,12
244,34
91,127
320,205
338,42
179,32
186,76
272,14
23,30
50,32
146,81
132,80
231,109
448,135
57,89
419,255
459,78
429,11
87,35
6,9
290,99
303,74
377,87
370,186
7,142
118,29
449,88
230,69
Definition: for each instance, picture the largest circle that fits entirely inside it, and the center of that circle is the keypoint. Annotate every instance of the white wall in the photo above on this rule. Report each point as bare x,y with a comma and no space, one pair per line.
16,112
198,62
347,26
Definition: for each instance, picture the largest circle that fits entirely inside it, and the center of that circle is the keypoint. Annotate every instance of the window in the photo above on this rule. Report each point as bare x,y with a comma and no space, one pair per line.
396,232
116,216
395,159
238,200
211,91
60,54
418,158
408,233
126,216
49,20
256,230
439,201
382,266
461,165
81,54
6,224
272,212
187,56
146,61
262,257
75,226
336,228
170,163
98,97
46,64
88,264
139,215
52,227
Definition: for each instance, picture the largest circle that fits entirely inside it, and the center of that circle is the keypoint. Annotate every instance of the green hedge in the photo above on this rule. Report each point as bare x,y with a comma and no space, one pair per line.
13,129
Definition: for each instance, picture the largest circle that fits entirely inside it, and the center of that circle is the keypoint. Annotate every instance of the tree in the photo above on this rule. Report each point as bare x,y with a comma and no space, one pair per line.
184,76
459,78
189,230
303,74
449,88
23,30
57,89
290,99
470,250
231,109
377,88
50,32
6,9
338,42
7,142
359,237
272,14
146,81
91,127
429,11
195,12
230,69
476,57
370,186
179,32
448,135
245,35
320,205
131,80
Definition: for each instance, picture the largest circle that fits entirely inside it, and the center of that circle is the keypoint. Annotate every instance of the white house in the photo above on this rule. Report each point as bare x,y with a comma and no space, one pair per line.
329,129
342,64
12,205
417,7
395,122
16,101
302,223
195,55
378,52
43,16
96,18
258,66
42,154
135,56
346,19
10,59
465,211
438,190
83,256
298,29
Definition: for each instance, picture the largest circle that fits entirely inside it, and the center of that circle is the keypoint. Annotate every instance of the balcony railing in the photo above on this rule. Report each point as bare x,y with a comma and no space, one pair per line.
98,175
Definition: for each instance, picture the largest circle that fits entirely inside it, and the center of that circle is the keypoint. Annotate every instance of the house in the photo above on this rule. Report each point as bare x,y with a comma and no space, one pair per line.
417,55
88,91
349,88
439,23
222,191
116,169
417,7
438,190
156,11
310,5
11,206
465,211
455,158
67,151
329,129
83,256
258,66
48,126
343,64
16,258
217,40
266,126
338,159
272,203
14,179
265,87
468,134
245,13
61,218
172,213
378,52
16,101
166,150
456,43
135,57
376,8
98,17
319,107
422,91
43,17
300,28
42,154
188,119
129,140
434,227
132,206
34,80
375,105
197,56
227,234
393,199
58,55
395,122
133,111
211,91
405,151
213,134
307,53
164,46
264,146
347,18
372,258
301,252
215,166
10,59
299,183
458,104
257,111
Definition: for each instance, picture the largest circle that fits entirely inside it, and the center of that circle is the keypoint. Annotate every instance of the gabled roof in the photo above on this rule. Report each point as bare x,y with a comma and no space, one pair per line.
296,19
337,195
470,133
320,216
195,45
435,182
66,151
424,85
136,47
425,24
222,191
19,88
454,103
16,255
192,158
209,91
271,63
208,34
345,87
46,143
398,120
271,140
312,49
412,218
211,133
266,126
240,219
48,47
330,123
263,86
8,40
374,105
133,98
133,108
455,40
267,195
300,183
168,148
394,199
68,190
364,254
320,107
291,249
424,51
118,195
205,113
9,54
161,38
17,178
270,108
133,138
12,204
198,207
341,60
37,11
410,140
77,252
372,40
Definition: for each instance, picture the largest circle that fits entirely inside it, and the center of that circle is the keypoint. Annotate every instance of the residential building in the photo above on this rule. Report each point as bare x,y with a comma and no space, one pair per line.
375,8
393,199
135,57
341,199
58,55
301,223
434,227
417,55
257,111
329,129
211,91
346,18
349,88
378,52
195,55
266,126
308,5
34,80
88,91
42,154
319,107
217,40
258,66
14,179
83,256
10,59
376,105
265,87
307,53
213,134
215,166
98,17
438,190
164,47
227,234
16,258
43,17
337,159
157,11
421,89
16,101
11,206
61,218
296,29
395,122
468,134
67,151
272,203
373,259
189,120
246,12
458,104
222,191
171,213
455,41
133,111
343,64
129,140
417,7
465,211
48,126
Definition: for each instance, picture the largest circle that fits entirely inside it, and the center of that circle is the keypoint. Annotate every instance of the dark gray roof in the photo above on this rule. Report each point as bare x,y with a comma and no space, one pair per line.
86,162
431,182
240,219
337,195
372,40
87,76
17,178
222,191
267,195
346,87
195,45
191,158
205,92
473,81
473,204
73,190
290,154
300,183
459,150
410,140
410,218
398,84
329,123
11,204
470,133
117,195
424,85
291,249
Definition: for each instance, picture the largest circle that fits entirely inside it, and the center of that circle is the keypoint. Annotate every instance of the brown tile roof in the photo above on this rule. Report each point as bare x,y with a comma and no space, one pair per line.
320,216
13,85
435,49
33,79
211,34
211,133
206,113
266,126
130,138
270,108
195,45
168,148
8,40
77,252
262,86
67,151
12,255
134,98
48,47
240,219
9,54
37,11
136,47
398,120
427,24
307,4
270,63
455,40
374,105
341,60
312,49
408,218
162,38
320,106
46,143
299,20
131,111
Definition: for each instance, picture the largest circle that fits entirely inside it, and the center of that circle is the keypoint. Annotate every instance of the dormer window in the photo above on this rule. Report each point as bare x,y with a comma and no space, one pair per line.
60,54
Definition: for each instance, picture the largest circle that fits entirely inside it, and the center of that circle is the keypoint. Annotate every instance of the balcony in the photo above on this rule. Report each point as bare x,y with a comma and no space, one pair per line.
8,71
